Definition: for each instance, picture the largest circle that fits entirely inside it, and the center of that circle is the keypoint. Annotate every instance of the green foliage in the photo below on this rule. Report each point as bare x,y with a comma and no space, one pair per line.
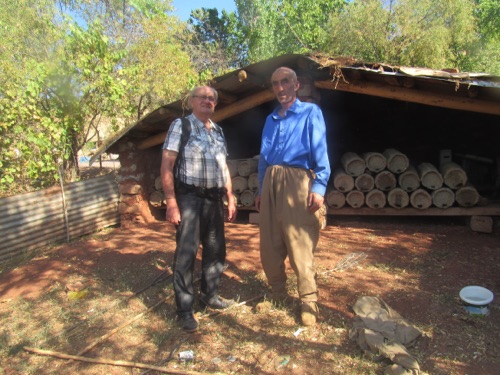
218,42
430,33
62,80
274,27
485,53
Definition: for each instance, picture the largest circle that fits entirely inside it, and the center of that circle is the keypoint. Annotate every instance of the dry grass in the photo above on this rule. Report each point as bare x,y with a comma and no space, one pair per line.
124,273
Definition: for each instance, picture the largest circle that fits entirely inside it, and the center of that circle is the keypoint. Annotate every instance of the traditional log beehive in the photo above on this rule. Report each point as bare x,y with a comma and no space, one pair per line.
429,176
375,199
421,199
443,197
409,180
375,161
467,196
247,198
397,162
335,199
355,198
453,175
398,198
342,181
400,183
385,180
364,182
353,164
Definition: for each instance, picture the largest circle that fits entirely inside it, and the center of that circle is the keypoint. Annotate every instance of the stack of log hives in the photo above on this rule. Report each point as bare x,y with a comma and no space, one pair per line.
379,180
244,180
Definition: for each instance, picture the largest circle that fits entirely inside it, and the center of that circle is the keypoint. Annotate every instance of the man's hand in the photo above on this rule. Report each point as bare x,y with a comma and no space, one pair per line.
173,215
314,202
231,208
257,202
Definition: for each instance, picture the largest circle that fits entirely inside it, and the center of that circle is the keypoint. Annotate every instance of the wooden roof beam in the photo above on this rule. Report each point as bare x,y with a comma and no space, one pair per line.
413,95
226,112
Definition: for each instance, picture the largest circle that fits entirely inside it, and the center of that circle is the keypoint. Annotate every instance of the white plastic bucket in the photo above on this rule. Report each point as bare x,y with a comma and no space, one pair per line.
476,299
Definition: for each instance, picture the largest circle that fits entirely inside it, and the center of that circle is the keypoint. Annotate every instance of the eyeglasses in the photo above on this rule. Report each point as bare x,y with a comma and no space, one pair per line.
205,97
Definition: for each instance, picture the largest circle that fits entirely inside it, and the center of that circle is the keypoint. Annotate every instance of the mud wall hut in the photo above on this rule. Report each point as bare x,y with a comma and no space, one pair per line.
425,114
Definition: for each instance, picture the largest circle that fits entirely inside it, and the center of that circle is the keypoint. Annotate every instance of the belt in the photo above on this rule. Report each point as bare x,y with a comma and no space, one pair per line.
214,193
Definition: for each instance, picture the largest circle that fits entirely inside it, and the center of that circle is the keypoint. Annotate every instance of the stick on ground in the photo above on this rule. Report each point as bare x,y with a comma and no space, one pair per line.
106,361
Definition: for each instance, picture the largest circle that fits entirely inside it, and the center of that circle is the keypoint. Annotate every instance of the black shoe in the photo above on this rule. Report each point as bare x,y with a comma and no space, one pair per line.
188,323
217,303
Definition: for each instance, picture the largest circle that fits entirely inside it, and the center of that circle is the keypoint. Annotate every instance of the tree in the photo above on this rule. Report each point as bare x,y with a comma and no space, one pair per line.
274,27
62,78
217,44
484,56
430,33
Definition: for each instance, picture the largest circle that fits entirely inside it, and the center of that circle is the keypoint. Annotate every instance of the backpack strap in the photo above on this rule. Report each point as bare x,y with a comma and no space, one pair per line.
185,134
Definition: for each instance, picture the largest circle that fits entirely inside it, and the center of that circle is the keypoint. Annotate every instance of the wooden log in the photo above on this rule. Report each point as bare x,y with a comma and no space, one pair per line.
240,184
398,198
355,198
158,183
156,199
385,180
397,162
342,181
467,196
364,182
454,175
429,176
375,161
353,164
443,197
253,181
420,199
335,199
247,167
436,99
247,198
232,165
409,180
375,199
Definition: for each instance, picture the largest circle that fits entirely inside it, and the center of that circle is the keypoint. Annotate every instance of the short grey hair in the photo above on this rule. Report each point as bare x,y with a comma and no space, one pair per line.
194,90
288,71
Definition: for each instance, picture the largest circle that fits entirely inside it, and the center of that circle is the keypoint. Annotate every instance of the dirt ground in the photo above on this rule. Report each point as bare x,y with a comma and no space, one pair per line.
416,265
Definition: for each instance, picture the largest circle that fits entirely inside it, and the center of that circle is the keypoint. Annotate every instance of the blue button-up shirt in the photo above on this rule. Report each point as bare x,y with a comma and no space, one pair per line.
296,140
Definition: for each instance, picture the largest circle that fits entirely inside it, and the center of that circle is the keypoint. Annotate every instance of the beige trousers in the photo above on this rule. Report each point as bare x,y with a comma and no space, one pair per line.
288,229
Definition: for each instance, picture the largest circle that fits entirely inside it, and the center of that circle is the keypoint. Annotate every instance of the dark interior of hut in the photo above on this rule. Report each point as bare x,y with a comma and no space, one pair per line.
364,123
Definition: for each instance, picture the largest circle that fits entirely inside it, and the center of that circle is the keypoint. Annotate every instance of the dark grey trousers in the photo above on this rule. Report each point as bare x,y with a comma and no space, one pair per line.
202,221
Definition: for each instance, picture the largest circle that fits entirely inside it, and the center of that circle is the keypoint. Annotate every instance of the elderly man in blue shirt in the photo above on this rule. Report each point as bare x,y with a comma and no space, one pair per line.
293,174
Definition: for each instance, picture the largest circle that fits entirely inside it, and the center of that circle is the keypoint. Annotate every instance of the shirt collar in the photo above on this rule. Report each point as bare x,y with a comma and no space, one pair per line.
198,123
294,108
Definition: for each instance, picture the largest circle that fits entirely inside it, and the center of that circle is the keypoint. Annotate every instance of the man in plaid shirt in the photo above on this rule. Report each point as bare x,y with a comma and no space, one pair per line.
195,178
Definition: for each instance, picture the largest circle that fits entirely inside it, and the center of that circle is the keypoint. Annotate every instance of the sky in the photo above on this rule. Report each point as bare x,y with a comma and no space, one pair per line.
184,7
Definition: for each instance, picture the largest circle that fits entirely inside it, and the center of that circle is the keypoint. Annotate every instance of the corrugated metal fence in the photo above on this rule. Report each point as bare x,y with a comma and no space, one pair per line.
32,220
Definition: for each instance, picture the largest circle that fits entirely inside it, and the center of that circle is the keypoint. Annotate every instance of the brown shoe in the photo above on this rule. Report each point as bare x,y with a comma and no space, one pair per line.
309,313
